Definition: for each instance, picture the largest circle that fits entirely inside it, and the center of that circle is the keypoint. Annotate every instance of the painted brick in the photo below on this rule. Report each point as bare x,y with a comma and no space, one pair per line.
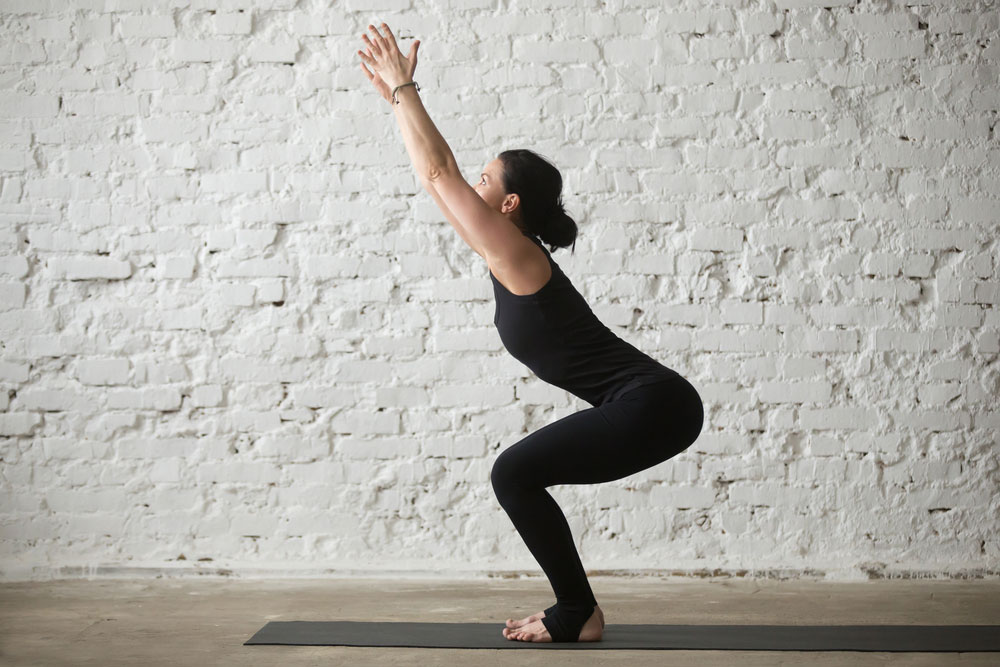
223,286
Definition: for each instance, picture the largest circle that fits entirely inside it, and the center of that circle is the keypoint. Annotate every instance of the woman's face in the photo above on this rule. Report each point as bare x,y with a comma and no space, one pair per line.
490,188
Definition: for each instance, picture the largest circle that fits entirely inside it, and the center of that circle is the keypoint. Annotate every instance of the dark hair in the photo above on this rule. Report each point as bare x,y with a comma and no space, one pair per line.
538,184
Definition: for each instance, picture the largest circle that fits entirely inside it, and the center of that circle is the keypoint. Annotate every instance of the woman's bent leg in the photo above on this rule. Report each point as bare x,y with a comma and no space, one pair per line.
645,427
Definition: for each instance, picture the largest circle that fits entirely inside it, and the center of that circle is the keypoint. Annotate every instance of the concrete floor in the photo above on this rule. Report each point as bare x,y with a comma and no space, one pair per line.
188,621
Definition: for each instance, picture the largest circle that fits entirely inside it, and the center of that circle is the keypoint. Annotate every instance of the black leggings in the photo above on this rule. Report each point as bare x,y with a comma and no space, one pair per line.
645,426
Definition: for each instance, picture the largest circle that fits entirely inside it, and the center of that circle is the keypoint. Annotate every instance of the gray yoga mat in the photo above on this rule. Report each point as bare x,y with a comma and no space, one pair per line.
917,638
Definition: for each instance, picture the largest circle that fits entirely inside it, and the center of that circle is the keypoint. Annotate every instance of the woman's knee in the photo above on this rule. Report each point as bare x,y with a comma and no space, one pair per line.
697,418
503,472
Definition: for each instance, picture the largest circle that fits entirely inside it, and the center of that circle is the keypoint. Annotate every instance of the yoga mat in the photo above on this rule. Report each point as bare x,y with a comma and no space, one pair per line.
915,638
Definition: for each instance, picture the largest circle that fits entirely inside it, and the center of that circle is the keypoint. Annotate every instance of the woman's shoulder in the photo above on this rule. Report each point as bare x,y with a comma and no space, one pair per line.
523,269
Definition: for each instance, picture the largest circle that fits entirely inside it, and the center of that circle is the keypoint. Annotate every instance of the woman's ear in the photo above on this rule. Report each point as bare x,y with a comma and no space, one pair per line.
511,202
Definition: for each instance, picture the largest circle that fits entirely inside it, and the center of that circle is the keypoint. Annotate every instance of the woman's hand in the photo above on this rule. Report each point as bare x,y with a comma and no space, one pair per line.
391,68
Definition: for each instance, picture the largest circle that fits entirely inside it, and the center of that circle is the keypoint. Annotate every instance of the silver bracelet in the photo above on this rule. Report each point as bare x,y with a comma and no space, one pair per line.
409,83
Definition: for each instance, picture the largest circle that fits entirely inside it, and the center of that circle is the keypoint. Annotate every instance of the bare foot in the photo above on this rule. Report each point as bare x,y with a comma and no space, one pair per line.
511,623
535,631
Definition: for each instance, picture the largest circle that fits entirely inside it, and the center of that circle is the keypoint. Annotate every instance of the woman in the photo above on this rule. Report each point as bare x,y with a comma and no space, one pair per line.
643,412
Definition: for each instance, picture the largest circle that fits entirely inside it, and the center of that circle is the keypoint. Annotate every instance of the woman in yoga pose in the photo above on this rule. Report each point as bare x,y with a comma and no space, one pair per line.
643,412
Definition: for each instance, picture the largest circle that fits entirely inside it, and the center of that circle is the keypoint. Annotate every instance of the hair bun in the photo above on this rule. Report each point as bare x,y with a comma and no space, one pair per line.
539,185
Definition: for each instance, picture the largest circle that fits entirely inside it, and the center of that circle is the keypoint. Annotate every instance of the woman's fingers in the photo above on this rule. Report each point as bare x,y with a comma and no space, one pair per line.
384,46
390,39
413,56
372,45
379,39
367,73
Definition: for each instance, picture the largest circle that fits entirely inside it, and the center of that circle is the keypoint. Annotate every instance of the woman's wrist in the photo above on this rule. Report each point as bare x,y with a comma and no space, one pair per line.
397,89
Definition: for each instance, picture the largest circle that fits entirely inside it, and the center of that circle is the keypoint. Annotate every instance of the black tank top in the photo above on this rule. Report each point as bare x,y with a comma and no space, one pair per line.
555,334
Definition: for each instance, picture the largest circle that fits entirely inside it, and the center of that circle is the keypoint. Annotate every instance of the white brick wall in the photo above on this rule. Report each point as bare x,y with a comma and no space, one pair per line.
238,337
